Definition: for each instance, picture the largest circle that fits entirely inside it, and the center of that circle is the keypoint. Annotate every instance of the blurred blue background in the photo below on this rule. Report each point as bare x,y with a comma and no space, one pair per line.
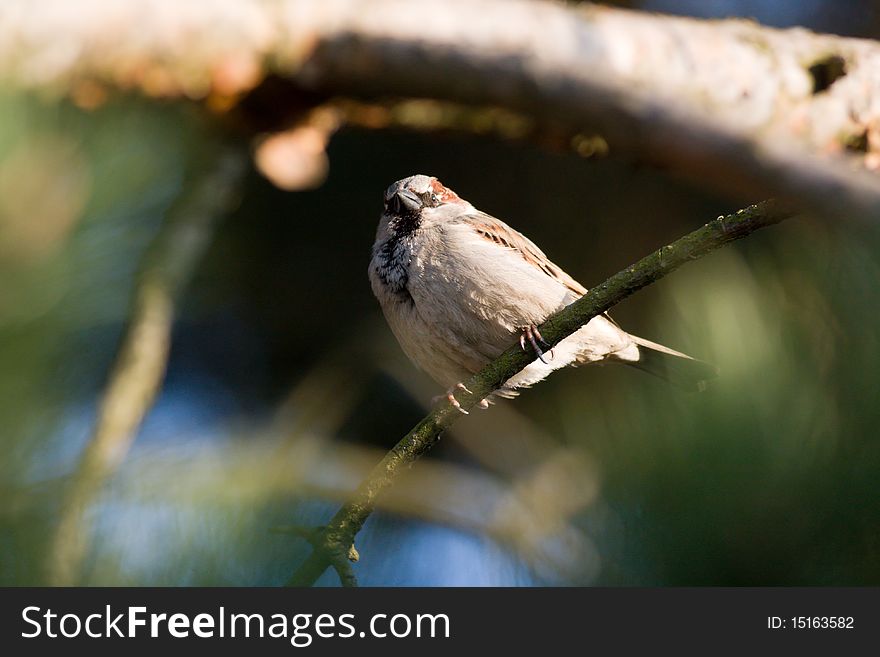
285,386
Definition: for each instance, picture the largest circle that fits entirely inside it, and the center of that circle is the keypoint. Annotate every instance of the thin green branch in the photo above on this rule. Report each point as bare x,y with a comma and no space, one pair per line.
332,543
140,364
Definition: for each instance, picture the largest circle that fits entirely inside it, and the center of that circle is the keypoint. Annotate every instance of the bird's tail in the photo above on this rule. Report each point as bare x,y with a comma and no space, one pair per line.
673,366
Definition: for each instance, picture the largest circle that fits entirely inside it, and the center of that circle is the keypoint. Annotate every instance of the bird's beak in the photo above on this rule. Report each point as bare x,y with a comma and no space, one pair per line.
407,201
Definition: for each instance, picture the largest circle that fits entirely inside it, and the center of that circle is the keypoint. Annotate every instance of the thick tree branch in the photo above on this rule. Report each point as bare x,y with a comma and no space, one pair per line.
333,542
740,106
140,364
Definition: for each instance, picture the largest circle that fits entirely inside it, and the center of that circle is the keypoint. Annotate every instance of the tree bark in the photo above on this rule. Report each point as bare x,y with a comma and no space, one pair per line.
739,106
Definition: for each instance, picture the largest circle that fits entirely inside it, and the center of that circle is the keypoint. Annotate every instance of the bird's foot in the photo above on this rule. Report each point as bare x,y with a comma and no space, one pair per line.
534,337
450,397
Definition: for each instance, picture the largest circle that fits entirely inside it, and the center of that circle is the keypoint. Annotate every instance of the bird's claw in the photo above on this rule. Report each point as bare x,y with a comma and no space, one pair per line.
455,404
450,397
533,335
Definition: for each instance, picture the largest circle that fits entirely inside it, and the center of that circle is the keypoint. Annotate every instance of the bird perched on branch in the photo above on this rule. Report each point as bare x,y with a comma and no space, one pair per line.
459,286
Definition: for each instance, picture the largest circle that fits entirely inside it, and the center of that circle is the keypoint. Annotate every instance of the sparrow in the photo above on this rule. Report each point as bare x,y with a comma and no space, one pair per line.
458,287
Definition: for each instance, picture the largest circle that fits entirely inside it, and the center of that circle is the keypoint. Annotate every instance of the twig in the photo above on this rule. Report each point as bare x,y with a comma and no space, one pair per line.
140,364
332,543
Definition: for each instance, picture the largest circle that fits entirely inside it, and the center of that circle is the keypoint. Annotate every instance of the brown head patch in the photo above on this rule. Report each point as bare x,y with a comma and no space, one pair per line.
444,194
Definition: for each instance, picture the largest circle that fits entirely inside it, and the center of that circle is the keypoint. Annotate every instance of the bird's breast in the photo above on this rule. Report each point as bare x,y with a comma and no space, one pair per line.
390,265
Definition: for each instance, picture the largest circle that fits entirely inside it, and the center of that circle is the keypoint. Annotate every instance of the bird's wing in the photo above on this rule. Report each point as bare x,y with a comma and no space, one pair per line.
495,230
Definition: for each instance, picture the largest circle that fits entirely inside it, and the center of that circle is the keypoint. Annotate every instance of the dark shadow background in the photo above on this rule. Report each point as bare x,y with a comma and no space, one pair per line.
284,383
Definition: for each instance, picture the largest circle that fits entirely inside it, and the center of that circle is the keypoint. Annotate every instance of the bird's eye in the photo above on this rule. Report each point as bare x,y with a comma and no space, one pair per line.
430,199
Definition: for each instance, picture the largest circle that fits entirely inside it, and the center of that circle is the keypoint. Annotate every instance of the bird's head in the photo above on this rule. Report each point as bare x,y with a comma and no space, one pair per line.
407,200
